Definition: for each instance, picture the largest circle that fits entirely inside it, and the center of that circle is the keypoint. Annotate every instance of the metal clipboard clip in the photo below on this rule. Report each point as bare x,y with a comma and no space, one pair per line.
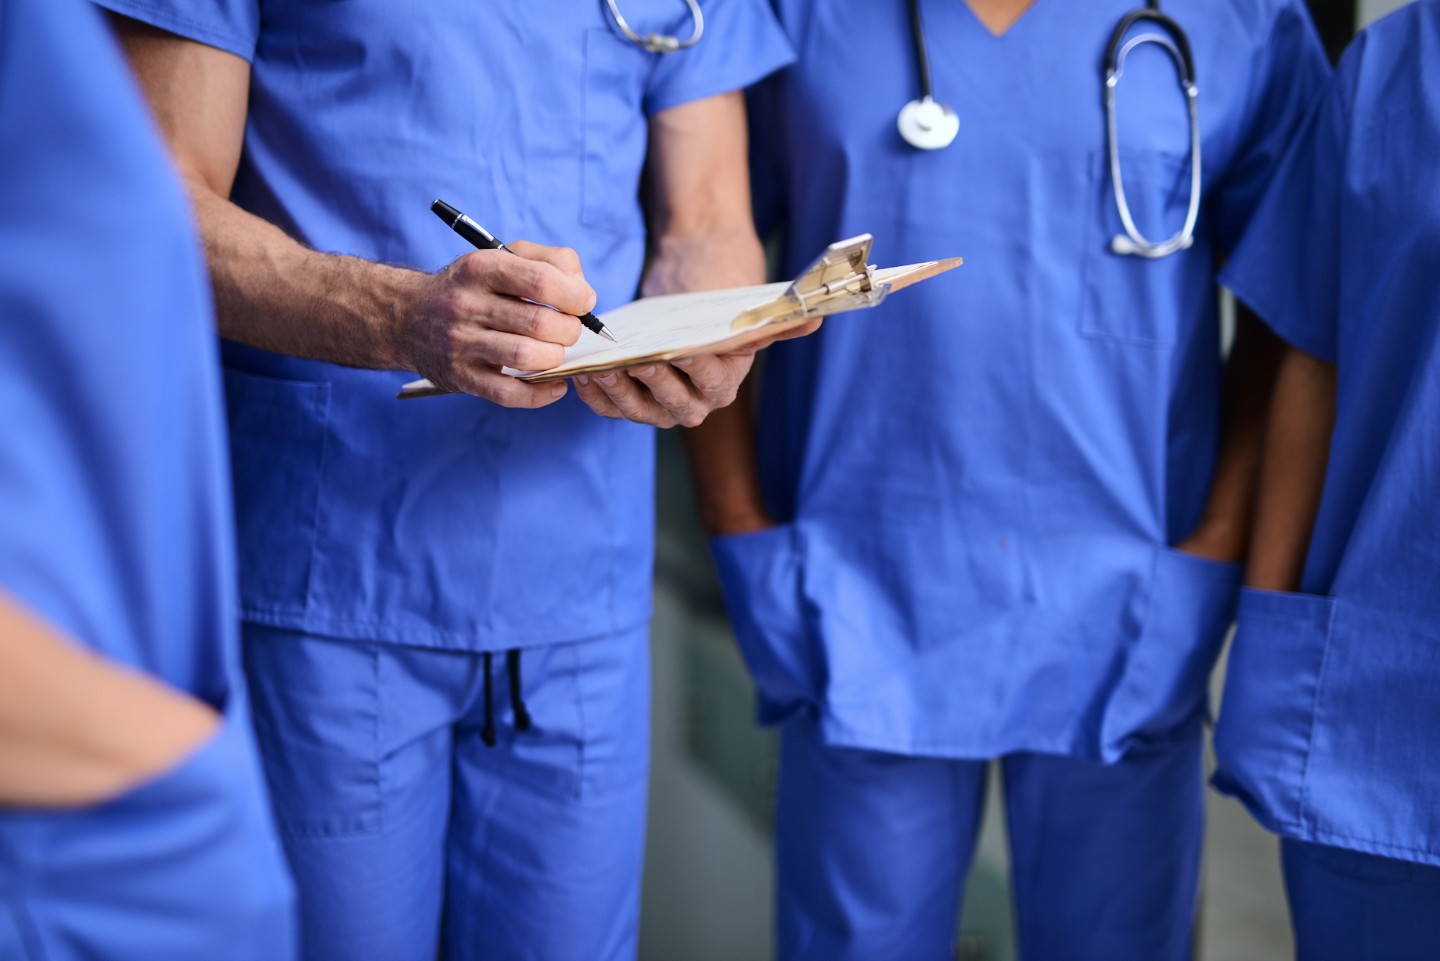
839,279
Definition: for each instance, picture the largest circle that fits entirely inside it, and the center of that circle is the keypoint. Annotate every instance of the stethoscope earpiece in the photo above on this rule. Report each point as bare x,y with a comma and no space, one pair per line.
928,124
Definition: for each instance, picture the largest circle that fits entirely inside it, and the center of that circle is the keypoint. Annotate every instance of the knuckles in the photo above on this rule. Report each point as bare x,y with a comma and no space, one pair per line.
568,261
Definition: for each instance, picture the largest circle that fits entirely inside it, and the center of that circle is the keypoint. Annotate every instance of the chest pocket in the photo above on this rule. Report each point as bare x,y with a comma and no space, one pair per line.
1126,297
616,132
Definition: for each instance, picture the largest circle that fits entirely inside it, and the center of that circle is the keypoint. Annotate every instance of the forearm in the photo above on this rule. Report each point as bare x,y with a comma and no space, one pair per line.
270,290
712,257
707,244
76,729
724,470
1292,474
721,450
274,293
1224,528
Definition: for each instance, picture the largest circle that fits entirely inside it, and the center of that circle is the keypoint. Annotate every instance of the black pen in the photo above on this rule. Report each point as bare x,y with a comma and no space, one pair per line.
484,240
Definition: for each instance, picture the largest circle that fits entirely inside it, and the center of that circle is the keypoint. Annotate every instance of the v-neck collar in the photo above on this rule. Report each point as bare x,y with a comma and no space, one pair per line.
1013,25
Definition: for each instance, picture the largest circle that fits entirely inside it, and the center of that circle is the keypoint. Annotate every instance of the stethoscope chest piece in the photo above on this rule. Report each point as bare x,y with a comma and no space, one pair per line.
928,124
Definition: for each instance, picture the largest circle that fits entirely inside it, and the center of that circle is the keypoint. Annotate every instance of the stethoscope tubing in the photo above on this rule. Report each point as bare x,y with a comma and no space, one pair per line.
660,42
922,52
1133,241
1174,39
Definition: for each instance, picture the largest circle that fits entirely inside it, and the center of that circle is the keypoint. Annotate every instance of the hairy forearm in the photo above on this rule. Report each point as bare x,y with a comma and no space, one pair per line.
274,293
76,729
270,290
1224,527
1292,475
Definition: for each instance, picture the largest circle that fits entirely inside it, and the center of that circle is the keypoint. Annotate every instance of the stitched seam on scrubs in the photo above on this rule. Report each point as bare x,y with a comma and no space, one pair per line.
378,728
321,414
1300,819
584,738
837,734
386,631
1432,856
172,22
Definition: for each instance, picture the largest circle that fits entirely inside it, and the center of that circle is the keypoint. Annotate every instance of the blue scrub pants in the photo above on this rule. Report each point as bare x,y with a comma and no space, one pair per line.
409,836
873,849
1349,906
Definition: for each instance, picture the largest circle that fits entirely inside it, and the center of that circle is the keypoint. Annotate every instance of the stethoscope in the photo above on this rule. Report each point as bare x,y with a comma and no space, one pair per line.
928,124
660,42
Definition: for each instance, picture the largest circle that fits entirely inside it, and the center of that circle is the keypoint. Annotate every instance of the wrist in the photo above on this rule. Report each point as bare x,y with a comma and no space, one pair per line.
393,300
724,520
1219,540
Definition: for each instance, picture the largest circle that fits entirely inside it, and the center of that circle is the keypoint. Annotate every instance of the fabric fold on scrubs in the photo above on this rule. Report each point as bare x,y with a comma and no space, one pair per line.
761,580
449,522
1162,694
1329,718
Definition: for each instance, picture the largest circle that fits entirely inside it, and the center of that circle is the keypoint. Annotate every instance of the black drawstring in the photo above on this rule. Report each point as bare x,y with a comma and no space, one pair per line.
517,700
487,733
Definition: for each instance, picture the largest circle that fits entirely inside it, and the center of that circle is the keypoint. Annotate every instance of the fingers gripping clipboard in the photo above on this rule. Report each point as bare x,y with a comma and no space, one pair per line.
676,326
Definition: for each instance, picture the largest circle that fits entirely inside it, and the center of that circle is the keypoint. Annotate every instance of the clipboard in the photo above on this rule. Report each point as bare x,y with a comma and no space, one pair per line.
676,326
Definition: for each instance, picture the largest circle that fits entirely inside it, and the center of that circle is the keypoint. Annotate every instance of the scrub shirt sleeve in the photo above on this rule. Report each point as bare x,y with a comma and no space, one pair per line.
742,43
1287,266
230,25
1287,74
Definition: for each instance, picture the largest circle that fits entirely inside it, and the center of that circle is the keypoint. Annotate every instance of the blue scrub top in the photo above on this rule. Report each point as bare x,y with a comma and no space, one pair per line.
449,522
1331,726
115,511
115,525
982,476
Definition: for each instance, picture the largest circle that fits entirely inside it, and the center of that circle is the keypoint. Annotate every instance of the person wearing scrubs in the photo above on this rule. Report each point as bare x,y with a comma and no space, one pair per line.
1329,728
133,815
445,601
997,517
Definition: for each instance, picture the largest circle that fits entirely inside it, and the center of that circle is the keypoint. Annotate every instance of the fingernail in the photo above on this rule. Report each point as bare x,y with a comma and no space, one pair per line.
582,379
558,390
608,380
647,372
685,363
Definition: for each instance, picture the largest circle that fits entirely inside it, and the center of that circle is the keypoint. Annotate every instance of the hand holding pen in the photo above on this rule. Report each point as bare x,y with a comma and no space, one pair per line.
485,312
482,239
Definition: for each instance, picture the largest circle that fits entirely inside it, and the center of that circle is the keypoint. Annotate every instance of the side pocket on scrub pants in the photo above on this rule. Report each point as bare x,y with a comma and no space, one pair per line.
760,576
277,446
1167,671
203,873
